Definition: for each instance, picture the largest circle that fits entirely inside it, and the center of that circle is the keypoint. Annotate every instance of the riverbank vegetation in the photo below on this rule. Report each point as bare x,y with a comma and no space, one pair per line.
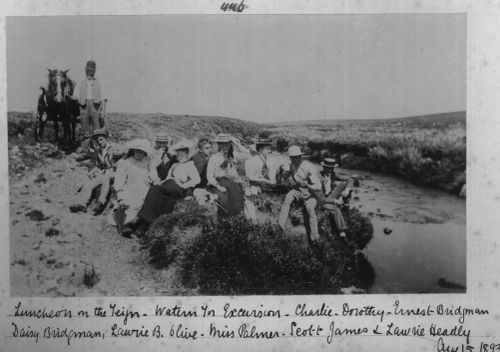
427,150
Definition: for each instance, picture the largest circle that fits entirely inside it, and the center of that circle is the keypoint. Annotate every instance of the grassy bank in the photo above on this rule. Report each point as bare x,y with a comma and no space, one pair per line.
239,256
427,150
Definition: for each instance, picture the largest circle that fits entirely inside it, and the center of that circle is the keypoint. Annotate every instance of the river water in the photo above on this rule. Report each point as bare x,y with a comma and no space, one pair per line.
427,239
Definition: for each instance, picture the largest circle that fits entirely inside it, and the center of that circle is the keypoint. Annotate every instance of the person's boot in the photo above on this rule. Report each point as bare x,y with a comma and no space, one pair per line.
99,208
78,208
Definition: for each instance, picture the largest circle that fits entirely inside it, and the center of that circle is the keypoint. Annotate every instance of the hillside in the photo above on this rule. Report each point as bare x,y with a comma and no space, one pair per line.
125,126
422,121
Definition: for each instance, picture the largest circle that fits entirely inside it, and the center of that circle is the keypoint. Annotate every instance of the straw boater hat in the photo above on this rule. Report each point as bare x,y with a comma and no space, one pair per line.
294,150
100,132
162,138
223,138
329,162
140,144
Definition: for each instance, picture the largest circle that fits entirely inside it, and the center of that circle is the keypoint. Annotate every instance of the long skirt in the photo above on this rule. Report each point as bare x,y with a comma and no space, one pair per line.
161,200
231,202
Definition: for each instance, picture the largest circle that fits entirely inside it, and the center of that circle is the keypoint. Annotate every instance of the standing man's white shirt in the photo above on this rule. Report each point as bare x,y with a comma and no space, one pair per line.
89,89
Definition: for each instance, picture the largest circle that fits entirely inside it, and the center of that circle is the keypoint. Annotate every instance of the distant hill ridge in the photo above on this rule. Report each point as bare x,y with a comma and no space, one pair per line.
127,125
448,117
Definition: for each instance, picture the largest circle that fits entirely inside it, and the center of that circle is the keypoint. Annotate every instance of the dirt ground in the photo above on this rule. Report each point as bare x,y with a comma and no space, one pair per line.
45,265
51,249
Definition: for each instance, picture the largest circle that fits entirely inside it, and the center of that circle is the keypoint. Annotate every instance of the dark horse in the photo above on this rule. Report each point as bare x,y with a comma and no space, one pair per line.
56,104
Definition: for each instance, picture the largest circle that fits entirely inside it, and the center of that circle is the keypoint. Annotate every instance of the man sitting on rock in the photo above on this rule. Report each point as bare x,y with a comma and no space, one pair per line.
106,155
306,183
333,193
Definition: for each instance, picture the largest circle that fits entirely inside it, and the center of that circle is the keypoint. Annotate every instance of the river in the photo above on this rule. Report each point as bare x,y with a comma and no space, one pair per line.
427,239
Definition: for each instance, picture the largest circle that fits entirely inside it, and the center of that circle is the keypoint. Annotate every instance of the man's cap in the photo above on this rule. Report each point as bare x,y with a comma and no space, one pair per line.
90,65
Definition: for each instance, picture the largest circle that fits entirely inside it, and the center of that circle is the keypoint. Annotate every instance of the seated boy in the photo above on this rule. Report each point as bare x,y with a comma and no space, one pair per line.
106,155
331,193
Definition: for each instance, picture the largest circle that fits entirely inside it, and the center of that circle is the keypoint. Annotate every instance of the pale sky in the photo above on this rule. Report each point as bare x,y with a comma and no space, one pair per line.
253,67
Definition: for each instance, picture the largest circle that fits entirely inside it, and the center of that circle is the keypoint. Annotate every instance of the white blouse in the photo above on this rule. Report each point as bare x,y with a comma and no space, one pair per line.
185,174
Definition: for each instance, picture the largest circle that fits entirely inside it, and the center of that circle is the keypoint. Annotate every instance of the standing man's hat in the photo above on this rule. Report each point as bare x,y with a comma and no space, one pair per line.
329,162
100,132
294,150
90,65
223,138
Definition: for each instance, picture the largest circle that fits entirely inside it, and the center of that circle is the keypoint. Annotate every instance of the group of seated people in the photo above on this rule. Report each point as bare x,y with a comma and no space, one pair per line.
148,182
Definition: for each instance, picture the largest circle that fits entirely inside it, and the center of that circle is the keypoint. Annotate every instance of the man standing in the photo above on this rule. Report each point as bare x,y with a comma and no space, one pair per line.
88,94
306,182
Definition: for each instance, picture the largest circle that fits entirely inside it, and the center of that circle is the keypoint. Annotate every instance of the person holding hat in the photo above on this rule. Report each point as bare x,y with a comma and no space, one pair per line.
222,175
89,96
182,177
133,178
306,183
162,160
106,155
261,169
331,192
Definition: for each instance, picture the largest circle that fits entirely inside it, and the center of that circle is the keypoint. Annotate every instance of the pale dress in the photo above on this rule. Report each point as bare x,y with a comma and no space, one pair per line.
132,182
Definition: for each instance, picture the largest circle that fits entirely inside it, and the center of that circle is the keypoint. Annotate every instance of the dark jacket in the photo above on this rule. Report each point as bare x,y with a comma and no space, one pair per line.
201,161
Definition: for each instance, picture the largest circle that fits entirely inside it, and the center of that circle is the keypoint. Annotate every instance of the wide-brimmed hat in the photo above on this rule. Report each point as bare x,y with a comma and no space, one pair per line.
90,65
162,138
223,138
100,132
262,141
140,144
182,144
329,162
294,150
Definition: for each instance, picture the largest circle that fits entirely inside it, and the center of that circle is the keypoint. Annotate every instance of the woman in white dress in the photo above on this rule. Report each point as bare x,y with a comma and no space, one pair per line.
134,175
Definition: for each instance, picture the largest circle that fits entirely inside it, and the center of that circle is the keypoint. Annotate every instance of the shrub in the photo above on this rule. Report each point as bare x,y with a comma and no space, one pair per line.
238,256
169,235
90,277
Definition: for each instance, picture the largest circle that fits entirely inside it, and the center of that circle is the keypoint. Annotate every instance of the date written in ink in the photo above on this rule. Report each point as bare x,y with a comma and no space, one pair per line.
234,6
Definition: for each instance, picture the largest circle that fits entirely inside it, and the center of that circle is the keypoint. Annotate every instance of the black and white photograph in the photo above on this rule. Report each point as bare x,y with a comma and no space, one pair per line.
209,155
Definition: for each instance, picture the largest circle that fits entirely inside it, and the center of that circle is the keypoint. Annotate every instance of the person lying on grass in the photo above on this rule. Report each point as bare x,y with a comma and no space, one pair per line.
305,181
106,155
333,193
182,177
